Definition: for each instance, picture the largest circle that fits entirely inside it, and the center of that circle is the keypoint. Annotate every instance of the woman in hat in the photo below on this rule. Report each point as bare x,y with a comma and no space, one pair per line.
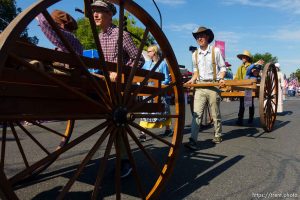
209,66
67,25
246,59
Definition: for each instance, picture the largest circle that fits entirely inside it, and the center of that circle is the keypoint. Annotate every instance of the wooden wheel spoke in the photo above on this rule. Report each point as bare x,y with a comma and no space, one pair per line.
134,68
101,61
103,165
273,105
150,115
59,151
19,145
120,60
147,77
117,143
132,162
46,128
135,125
85,161
33,138
83,67
58,82
148,156
3,145
155,94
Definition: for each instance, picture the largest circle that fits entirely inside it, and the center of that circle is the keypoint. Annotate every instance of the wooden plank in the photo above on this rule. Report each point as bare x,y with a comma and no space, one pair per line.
27,83
48,55
45,108
237,94
249,83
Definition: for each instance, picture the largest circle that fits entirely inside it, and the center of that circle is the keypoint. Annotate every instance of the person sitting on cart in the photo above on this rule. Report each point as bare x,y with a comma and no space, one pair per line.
253,71
103,11
209,66
246,59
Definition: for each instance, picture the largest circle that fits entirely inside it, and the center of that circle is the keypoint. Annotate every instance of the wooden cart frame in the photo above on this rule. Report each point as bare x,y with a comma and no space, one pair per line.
265,89
34,95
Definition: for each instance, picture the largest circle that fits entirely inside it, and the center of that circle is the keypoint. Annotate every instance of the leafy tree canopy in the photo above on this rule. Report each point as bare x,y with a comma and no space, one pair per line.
8,11
267,57
297,74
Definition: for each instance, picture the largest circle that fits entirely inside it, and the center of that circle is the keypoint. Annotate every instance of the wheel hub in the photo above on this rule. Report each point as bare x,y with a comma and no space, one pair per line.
120,116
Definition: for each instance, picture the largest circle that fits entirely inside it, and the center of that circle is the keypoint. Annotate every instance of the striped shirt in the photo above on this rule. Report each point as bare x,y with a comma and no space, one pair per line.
54,39
109,43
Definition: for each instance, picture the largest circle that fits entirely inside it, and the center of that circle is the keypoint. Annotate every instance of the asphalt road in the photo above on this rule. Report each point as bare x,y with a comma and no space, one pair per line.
248,164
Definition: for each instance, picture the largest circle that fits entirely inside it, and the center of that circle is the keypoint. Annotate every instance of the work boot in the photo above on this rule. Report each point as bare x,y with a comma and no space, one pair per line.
217,140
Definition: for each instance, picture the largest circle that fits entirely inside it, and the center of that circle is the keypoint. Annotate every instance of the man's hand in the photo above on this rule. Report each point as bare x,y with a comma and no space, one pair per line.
260,62
113,76
191,81
221,83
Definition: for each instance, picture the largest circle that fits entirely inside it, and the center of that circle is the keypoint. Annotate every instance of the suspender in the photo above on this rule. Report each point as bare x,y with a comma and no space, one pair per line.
213,63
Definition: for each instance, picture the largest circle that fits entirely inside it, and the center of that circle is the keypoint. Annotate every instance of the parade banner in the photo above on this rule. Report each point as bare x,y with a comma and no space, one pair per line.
221,46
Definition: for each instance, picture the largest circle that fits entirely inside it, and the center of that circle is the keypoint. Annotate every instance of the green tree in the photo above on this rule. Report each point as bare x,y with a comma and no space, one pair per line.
8,11
267,57
84,32
297,74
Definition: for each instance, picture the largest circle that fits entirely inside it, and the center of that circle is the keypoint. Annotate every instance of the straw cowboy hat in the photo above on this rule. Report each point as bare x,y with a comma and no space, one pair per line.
64,18
245,53
106,5
205,30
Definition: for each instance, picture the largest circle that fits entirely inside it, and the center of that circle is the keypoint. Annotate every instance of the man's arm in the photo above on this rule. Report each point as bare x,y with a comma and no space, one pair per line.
54,39
132,50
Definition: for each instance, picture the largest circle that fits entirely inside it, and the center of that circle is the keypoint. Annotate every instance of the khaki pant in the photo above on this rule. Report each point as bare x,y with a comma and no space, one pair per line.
202,95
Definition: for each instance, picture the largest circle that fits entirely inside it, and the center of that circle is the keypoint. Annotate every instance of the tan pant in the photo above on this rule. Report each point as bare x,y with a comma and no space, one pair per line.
202,95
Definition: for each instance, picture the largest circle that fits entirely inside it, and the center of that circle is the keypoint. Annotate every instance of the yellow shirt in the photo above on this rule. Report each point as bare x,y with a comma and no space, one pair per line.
241,72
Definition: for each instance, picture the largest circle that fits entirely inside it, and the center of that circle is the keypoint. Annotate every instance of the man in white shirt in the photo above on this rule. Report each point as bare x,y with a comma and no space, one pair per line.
209,66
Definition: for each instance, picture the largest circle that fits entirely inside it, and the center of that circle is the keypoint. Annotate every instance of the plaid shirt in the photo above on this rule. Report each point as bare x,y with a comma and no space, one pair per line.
109,43
54,39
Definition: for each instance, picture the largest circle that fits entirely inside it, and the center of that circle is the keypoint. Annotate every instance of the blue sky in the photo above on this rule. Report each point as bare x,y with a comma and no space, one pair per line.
259,26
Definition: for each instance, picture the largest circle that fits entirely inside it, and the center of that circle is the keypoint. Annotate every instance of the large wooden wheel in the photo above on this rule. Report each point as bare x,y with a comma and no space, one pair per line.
33,132
106,113
268,97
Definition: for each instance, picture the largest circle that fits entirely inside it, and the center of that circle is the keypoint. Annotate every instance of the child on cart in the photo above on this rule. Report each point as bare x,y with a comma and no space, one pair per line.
253,71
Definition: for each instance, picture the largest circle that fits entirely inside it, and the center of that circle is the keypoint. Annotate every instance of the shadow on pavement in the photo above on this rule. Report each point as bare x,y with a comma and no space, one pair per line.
191,173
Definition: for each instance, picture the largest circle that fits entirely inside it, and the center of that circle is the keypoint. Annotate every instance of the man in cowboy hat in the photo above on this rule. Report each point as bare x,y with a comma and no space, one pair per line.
103,11
246,59
209,66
